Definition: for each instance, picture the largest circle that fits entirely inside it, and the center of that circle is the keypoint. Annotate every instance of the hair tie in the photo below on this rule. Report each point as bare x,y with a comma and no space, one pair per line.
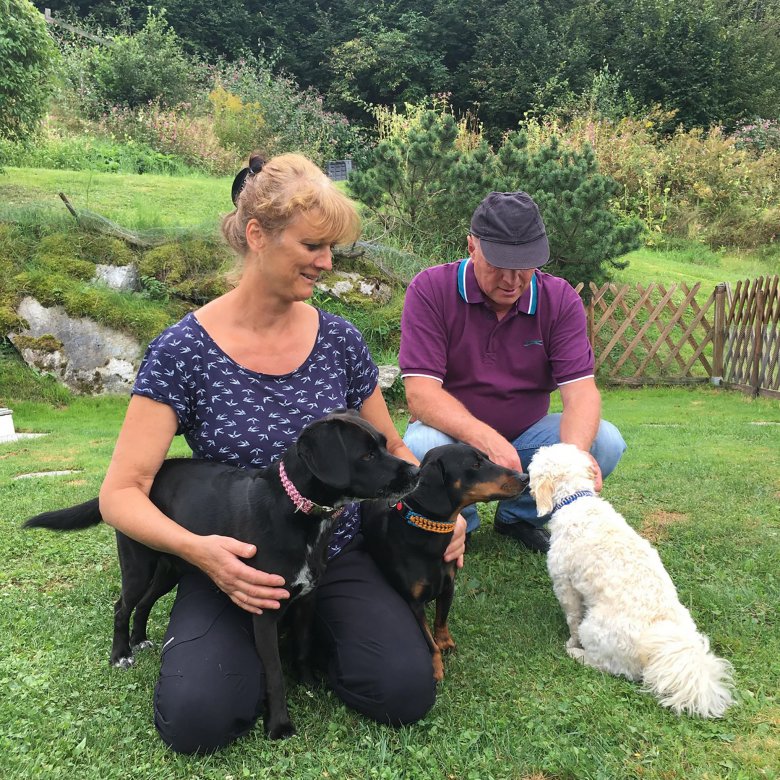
255,166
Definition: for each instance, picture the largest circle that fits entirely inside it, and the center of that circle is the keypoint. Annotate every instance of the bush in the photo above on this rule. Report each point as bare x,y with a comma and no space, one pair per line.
87,152
148,66
237,124
696,184
758,136
423,185
171,131
295,119
28,55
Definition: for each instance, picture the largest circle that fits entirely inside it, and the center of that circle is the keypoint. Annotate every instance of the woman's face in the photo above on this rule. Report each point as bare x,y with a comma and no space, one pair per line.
294,259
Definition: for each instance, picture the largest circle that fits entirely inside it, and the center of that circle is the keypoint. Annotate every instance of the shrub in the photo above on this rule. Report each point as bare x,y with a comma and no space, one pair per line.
87,152
758,135
28,55
696,184
423,188
237,124
148,66
171,131
295,118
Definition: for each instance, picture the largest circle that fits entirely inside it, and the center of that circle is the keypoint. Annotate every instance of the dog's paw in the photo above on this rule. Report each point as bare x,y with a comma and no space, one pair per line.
147,644
573,643
282,730
444,640
125,662
577,653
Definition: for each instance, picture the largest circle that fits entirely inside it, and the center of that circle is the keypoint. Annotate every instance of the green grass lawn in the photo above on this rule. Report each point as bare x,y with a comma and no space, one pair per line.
144,201
134,201
701,478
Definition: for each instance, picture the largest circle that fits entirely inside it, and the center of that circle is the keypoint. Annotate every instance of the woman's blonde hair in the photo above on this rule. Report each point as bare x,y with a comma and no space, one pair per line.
283,188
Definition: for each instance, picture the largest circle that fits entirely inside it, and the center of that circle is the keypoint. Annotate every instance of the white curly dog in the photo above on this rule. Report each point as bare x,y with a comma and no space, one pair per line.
621,606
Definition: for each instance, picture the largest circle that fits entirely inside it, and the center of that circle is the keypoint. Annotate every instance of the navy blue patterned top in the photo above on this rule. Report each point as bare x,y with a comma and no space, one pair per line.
234,415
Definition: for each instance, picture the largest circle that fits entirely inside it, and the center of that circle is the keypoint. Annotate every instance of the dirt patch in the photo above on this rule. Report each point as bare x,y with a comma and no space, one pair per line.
654,528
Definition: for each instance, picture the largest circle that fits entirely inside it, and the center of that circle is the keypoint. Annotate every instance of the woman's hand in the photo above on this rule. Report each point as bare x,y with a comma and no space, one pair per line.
457,546
251,589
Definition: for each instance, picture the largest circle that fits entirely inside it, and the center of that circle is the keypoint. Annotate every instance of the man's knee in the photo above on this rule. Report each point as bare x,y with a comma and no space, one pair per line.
192,717
420,438
608,447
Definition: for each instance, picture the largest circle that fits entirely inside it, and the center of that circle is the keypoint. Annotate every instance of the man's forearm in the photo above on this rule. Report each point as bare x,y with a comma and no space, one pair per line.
435,407
581,414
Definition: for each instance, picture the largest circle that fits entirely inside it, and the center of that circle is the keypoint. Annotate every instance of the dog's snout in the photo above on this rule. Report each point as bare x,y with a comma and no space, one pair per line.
519,481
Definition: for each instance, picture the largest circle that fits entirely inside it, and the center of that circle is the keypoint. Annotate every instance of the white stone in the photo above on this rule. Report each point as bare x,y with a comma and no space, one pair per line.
93,359
388,375
118,277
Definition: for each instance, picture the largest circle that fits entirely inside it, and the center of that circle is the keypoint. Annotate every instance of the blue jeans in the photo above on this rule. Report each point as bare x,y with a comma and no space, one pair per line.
607,449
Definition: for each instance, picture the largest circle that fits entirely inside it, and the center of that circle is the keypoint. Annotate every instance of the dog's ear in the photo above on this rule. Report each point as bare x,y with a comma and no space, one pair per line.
542,487
322,448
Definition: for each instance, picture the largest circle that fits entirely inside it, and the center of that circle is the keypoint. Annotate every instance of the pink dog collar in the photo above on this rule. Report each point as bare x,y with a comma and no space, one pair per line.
303,504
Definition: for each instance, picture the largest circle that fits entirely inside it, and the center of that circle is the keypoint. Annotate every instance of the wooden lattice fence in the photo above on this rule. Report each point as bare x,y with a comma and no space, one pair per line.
661,334
751,349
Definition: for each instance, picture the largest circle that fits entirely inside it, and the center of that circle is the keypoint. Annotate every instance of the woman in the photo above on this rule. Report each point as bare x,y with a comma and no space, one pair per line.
239,378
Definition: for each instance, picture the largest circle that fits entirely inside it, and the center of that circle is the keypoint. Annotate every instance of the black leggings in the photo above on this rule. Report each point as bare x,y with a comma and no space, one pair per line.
211,685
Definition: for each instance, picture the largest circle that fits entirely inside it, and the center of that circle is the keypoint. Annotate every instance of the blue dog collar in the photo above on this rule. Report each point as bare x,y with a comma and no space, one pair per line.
422,522
573,497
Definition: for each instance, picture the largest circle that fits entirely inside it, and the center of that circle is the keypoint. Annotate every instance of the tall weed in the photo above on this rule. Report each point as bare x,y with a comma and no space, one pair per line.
704,185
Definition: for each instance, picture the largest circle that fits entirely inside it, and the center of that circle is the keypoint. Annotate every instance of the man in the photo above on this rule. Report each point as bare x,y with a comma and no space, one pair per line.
484,343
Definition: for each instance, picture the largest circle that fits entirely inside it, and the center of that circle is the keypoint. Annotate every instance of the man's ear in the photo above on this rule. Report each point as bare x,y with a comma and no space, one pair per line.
472,243
542,490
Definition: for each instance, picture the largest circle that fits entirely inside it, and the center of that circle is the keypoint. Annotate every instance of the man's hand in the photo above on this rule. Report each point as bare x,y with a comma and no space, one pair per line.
597,478
501,451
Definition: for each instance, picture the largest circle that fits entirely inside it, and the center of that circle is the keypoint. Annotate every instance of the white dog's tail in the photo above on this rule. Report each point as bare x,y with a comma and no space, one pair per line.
682,672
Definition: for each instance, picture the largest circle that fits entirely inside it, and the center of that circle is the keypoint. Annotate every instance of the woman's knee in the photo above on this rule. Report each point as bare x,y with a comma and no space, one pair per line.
193,717
396,692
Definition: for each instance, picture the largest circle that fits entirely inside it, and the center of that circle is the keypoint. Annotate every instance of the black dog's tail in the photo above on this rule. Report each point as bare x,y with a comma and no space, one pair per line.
72,519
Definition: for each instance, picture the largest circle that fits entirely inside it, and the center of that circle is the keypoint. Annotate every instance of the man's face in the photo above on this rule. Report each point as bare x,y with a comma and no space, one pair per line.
502,286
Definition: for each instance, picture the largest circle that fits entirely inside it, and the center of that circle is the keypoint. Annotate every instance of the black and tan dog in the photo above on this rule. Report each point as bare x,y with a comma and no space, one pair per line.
407,539
336,460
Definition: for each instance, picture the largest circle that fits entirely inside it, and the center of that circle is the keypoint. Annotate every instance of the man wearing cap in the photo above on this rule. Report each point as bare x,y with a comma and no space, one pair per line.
484,343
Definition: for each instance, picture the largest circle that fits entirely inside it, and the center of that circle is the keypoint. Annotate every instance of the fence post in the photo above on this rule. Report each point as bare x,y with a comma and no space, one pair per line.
719,334
758,342
591,314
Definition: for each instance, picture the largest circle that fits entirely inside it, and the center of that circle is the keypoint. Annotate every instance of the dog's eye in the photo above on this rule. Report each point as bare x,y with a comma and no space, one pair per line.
369,456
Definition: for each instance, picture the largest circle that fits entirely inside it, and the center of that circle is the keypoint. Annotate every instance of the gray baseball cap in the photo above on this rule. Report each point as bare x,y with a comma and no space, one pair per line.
510,231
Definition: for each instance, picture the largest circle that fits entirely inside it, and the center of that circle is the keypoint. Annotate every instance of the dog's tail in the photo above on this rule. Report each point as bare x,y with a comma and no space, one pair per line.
72,519
682,673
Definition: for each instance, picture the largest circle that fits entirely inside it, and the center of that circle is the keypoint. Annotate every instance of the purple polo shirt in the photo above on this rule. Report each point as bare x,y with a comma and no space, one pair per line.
502,371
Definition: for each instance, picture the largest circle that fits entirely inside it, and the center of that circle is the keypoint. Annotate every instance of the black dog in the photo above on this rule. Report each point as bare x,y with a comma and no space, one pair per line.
408,539
335,460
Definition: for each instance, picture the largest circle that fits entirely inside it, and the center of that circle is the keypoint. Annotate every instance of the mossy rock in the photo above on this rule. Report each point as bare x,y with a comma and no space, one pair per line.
45,343
190,269
92,247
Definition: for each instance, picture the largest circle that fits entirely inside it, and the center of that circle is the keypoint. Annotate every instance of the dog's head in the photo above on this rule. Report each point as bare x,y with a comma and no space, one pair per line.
558,471
348,455
459,475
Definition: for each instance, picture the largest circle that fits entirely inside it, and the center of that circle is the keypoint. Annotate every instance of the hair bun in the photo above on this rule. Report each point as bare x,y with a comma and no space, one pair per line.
256,163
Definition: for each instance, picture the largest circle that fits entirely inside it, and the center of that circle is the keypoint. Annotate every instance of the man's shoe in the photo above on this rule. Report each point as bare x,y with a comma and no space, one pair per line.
536,539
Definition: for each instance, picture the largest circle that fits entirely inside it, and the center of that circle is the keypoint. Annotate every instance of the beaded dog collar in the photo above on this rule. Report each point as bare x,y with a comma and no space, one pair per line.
573,497
422,522
303,504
